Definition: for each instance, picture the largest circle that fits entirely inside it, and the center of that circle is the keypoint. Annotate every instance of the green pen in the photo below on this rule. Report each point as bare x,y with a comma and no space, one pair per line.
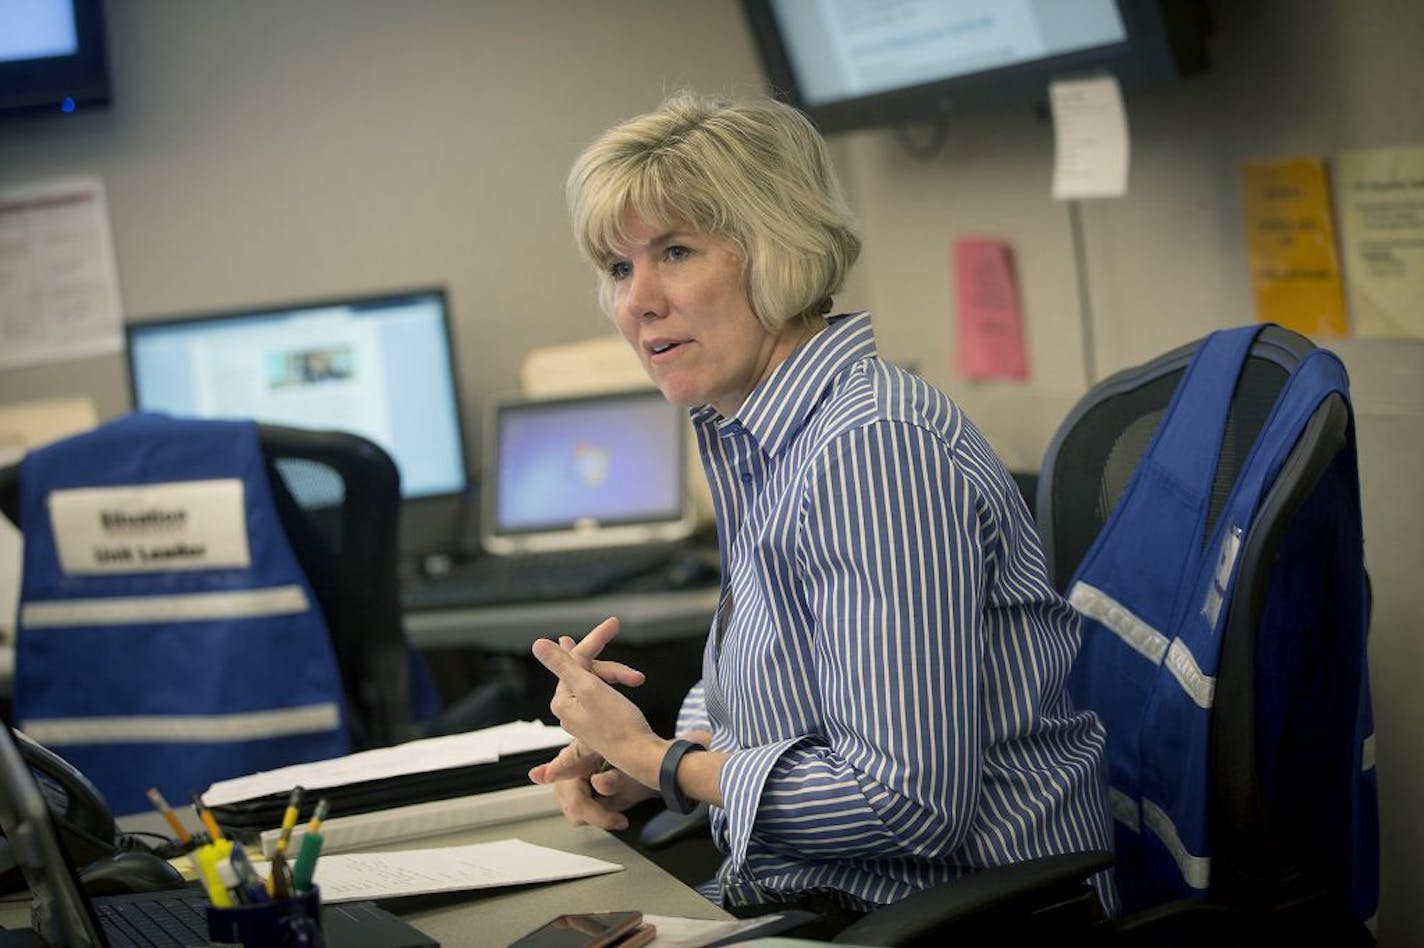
311,849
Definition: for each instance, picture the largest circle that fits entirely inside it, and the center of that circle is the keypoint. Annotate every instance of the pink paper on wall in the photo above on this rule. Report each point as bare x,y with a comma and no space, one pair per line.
990,327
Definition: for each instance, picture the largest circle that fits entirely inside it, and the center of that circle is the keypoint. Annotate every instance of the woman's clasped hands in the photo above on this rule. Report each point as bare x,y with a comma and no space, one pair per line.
612,762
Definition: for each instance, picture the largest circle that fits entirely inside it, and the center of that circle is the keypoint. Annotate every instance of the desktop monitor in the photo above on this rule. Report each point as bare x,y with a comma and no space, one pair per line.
378,366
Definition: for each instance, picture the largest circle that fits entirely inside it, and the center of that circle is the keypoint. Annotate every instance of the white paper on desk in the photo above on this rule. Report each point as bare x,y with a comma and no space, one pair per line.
1090,138
350,877
414,757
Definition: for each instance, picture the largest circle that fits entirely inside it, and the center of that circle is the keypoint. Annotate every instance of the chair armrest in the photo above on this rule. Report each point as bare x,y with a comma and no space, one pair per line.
668,827
1018,888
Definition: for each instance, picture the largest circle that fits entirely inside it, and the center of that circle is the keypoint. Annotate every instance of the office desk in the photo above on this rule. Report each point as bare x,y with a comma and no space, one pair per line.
497,917
648,618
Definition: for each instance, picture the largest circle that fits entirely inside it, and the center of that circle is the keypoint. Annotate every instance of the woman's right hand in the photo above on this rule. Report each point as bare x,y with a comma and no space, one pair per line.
586,794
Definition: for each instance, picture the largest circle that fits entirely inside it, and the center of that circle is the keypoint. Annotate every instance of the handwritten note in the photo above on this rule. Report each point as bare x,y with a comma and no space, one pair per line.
350,877
1091,148
990,332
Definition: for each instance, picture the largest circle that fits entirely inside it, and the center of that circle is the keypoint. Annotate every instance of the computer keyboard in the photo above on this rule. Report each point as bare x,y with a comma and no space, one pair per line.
158,921
538,577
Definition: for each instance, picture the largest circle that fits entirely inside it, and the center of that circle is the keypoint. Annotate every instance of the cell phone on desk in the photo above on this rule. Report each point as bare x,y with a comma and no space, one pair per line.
590,930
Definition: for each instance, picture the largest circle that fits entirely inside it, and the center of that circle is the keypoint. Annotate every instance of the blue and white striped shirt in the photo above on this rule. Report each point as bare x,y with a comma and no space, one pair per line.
887,663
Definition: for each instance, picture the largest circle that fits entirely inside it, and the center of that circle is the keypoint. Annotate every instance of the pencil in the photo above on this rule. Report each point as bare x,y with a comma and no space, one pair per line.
289,820
323,806
207,817
161,805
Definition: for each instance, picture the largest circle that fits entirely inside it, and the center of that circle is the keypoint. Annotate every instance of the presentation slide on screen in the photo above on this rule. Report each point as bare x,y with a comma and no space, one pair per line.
849,48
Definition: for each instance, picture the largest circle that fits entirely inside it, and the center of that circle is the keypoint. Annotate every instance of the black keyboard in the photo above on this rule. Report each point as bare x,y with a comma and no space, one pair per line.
539,577
165,921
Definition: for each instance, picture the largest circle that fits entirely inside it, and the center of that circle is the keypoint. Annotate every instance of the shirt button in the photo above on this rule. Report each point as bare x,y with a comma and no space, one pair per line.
747,477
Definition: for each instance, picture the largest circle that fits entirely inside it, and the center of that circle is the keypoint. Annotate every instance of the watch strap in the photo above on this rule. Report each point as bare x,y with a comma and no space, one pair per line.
673,797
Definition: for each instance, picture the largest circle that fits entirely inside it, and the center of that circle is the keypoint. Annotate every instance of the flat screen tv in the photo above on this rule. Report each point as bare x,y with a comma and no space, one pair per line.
52,57
858,63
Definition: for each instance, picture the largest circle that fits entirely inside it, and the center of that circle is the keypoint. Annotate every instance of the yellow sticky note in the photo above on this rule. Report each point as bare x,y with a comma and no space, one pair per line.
1290,245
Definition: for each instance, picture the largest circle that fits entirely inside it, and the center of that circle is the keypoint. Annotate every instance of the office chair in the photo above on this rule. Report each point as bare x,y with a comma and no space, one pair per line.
1263,879
339,498
1268,871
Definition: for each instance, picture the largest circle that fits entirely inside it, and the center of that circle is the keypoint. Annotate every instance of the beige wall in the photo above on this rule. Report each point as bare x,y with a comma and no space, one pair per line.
265,151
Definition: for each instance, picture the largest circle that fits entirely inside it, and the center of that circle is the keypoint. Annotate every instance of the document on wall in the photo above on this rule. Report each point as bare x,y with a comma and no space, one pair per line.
989,322
351,877
59,287
1382,228
1091,146
1290,246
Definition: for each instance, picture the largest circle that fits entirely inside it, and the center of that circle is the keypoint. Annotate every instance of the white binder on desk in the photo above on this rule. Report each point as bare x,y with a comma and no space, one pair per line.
346,833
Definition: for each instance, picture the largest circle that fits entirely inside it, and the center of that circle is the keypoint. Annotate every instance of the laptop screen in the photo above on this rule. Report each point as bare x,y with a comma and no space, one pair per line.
592,470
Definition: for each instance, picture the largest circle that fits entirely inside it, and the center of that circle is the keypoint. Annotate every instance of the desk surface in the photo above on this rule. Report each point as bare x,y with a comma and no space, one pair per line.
499,916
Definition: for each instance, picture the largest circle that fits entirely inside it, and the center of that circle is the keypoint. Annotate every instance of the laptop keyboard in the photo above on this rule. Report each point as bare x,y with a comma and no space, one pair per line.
535,577
159,923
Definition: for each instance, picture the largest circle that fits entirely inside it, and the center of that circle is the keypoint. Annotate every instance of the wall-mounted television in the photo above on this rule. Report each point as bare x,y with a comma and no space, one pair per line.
858,63
52,57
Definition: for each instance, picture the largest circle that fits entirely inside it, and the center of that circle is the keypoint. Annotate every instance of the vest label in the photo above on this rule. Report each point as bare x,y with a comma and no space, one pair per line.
1221,577
184,525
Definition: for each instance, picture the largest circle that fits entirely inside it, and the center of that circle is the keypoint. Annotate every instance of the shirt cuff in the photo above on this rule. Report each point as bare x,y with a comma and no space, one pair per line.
743,777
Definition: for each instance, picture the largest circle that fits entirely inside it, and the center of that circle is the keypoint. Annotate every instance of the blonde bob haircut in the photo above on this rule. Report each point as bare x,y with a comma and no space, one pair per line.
754,172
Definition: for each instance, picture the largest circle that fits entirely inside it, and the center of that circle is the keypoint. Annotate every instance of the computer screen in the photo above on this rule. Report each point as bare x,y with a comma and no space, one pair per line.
858,63
52,57
381,367
599,469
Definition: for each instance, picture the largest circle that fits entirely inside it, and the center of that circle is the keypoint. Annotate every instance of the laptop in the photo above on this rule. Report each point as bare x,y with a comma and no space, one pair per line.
62,914
581,495
582,472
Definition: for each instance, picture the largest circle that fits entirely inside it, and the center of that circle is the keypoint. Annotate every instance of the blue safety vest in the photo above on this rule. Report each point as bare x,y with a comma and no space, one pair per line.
1154,591
137,661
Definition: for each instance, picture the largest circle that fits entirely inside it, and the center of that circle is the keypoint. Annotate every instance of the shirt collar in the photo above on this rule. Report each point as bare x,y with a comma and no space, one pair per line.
779,406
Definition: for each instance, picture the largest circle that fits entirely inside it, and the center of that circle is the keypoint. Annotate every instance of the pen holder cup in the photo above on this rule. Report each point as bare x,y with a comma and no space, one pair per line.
288,923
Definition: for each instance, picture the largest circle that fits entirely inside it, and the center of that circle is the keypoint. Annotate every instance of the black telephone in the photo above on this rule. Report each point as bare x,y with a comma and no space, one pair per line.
82,818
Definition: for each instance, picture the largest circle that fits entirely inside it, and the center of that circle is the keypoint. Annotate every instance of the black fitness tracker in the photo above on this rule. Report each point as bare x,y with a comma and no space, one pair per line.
676,800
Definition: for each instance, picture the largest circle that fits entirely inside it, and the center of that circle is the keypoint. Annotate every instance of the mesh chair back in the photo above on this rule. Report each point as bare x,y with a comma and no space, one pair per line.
1098,445
339,498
